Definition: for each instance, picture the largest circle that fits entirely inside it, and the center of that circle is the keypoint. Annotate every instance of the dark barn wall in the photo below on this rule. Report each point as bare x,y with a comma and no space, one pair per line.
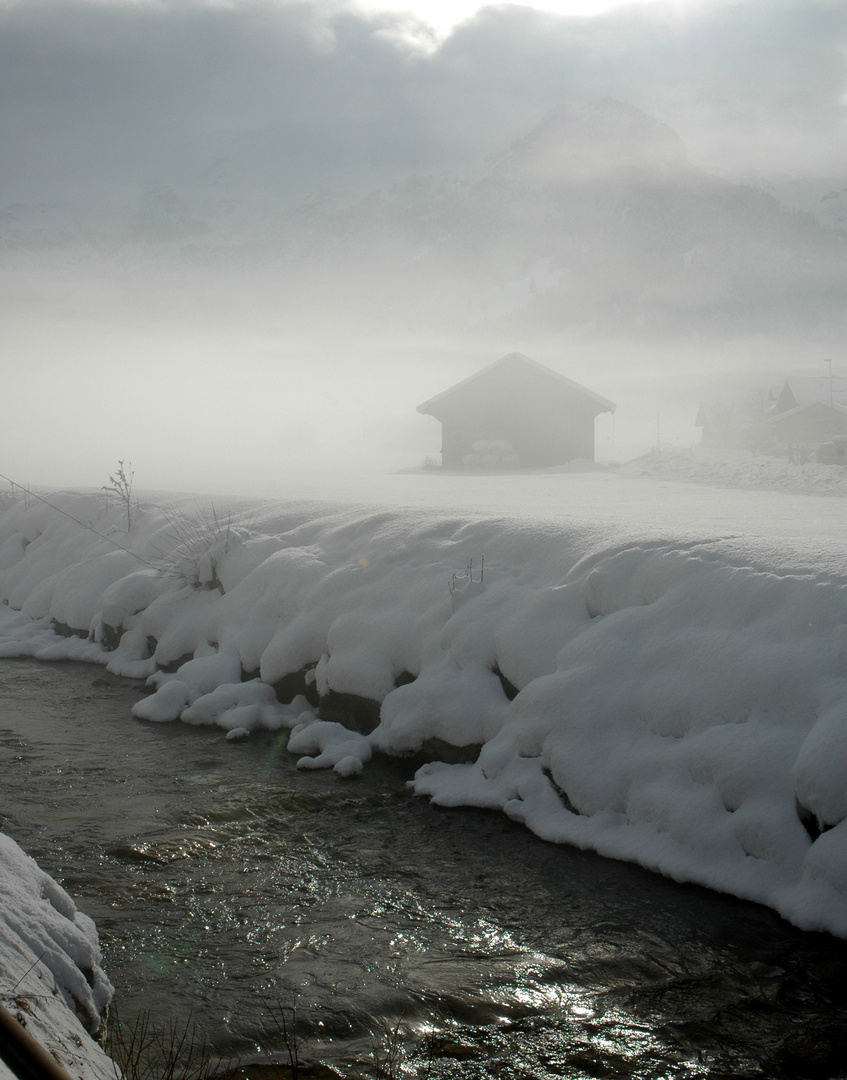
547,422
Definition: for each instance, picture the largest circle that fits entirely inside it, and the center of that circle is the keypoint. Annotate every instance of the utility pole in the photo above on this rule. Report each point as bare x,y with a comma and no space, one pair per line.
831,403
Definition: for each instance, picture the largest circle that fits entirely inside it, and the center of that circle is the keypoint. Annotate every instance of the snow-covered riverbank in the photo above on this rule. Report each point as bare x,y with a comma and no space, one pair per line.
50,975
675,700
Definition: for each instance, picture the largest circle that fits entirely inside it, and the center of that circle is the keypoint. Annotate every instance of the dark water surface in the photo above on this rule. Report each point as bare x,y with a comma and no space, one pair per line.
224,883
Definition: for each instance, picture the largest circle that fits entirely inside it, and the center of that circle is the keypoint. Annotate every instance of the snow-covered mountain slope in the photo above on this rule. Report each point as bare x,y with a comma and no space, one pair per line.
823,197
593,222
660,695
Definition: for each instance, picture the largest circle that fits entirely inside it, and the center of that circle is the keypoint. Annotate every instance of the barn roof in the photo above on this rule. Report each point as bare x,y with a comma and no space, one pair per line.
515,359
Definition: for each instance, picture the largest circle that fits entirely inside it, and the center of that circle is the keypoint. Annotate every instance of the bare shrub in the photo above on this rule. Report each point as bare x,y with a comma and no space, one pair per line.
285,1021
193,544
120,484
172,1050
387,1054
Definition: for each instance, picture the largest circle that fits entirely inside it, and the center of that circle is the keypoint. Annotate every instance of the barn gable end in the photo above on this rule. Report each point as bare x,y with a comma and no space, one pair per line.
544,417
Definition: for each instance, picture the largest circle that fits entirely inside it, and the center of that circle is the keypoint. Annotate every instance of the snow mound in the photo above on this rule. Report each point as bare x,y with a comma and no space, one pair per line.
50,965
680,702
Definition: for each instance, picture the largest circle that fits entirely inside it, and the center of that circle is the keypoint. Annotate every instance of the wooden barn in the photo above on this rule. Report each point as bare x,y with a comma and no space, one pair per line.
515,412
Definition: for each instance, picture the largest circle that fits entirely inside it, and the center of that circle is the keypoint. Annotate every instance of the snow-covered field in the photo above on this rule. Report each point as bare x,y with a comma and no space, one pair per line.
50,970
653,670
740,469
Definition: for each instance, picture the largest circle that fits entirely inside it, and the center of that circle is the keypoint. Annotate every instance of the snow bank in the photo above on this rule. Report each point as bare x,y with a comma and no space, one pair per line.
50,965
740,469
679,703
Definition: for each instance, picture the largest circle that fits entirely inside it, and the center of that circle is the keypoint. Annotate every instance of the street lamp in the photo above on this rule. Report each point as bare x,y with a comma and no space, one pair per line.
831,403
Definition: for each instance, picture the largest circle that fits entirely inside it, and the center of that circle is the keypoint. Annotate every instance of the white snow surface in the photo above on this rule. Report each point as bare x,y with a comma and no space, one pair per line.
680,649
739,469
50,974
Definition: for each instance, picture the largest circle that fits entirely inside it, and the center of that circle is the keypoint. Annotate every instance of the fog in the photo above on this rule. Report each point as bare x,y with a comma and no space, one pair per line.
239,243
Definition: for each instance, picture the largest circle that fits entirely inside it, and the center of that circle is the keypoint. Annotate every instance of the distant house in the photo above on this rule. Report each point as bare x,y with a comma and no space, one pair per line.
809,410
516,412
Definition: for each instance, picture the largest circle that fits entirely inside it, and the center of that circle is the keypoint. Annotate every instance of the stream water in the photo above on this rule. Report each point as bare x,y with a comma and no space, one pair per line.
227,885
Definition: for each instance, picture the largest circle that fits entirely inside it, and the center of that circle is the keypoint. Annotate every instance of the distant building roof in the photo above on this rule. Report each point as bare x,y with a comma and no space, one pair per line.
805,407
516,359
805,389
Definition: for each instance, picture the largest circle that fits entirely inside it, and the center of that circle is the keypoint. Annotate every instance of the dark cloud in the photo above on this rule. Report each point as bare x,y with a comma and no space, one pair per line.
101,94
100,100
720,68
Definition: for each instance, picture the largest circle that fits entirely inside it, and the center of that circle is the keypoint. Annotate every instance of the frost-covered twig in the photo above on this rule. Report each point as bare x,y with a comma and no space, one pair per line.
120,484
468,576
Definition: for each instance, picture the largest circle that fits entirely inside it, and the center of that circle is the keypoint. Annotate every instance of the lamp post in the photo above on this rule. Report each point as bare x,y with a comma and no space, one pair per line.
831,403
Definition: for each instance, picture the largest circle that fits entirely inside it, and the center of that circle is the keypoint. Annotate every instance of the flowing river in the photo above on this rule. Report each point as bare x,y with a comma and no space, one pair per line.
227,886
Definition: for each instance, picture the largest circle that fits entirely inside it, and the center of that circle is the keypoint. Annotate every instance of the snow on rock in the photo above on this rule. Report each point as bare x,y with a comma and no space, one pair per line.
180,621
129,595
460,705
206,673
131,659
255,607
50,970
238,707
168,703
678,701
329,745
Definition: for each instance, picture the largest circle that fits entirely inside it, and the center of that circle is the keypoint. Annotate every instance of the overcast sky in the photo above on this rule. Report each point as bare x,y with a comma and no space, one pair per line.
101,98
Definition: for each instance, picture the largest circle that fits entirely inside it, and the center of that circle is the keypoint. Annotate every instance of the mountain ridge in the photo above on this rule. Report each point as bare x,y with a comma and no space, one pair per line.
593,221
